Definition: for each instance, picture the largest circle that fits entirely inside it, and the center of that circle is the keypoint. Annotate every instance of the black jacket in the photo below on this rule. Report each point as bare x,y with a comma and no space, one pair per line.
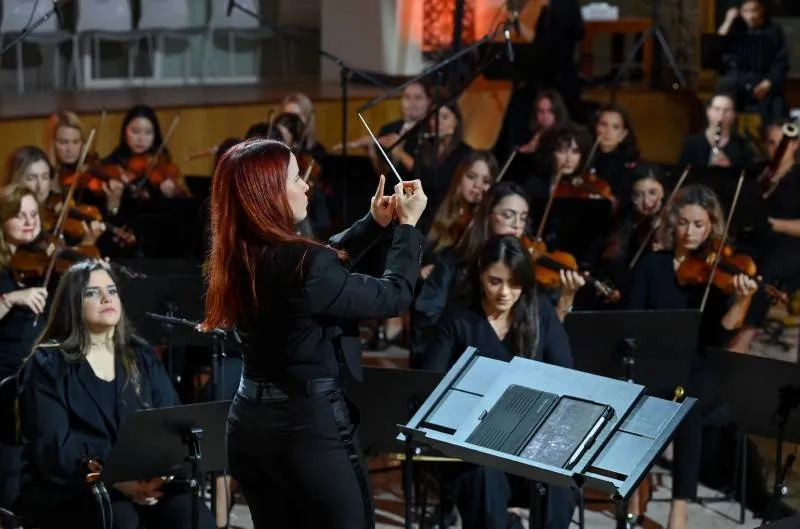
65,419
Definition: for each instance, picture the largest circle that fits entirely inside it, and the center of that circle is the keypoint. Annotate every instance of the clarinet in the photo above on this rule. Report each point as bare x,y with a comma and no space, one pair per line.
717,141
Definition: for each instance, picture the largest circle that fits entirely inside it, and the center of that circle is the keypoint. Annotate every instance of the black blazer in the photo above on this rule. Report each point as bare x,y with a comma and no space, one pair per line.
306,325
461,327
65,421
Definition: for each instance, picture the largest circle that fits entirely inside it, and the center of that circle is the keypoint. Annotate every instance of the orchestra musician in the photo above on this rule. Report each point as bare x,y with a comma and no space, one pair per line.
562,155
291,444
617,150
779,255
719,144
549,111
302,106
499,310
87,372
694,219
756,60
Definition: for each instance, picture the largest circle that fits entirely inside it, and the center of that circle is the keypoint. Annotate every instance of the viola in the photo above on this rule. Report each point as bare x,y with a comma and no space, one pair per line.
548,265
77,216
32,261
698,266
585,186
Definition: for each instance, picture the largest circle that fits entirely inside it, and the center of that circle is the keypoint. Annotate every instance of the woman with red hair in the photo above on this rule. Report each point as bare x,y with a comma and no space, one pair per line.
291,443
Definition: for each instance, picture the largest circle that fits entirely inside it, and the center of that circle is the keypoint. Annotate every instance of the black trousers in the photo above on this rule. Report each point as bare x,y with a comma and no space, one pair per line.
483,495
298,463
173,511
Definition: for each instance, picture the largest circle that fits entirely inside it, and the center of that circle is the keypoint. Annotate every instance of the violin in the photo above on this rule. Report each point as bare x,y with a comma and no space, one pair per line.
720,260
548,265
586,186
309,168
77,215
32,261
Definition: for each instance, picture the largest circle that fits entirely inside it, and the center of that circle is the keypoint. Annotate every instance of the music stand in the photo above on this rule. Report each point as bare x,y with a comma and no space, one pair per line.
574,224
170,441
361,178
388,397
762,392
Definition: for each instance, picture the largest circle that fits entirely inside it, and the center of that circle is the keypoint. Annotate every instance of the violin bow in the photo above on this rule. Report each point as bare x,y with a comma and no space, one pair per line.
506,165
270,120
547,208
660,219
592,154
154,159
380,148
718,257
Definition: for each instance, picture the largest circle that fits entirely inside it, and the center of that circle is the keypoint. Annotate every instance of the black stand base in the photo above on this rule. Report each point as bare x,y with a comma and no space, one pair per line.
192,439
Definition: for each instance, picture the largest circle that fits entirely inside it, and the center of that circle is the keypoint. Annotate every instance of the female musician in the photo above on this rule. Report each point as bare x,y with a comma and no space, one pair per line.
86,374
472,180
500,312
719,145
29,166
290,437
504,211
549,111
617,150
302,106
141,135
695,218
633,224
779,256
562,154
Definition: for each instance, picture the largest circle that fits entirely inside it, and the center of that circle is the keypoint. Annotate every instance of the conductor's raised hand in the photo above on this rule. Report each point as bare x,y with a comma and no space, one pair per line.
411,201
381,207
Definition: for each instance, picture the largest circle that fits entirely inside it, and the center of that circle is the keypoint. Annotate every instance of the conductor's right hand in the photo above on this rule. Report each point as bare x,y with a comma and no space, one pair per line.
411,202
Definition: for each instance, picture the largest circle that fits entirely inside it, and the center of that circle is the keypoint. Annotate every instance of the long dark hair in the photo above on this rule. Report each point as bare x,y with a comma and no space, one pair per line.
480,230
66,329
508,250
123,150
558,137
629,147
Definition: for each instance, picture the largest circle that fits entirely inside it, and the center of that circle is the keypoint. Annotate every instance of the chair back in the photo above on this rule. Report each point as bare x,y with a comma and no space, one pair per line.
164,14
18,14
9,416
104,15
238,19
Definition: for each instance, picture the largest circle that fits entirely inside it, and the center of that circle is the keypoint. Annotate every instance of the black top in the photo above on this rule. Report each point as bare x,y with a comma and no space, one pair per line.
304,328
697,151
784,203
437,179
761,52
559,30
461,327
655,287
615,168
67,414
17,330
433,296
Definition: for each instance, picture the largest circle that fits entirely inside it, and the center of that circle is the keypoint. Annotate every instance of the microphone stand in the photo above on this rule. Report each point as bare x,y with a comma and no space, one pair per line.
28,30
345,73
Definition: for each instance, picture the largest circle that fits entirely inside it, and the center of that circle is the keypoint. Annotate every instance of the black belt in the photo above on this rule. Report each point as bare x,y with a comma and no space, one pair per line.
258,391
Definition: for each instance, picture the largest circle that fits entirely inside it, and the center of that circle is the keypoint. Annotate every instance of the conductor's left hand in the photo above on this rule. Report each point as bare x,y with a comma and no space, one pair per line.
382,207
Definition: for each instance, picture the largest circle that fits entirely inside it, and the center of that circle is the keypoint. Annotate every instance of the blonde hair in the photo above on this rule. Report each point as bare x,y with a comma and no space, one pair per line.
59,120
307,109
10,204
19,161
693,195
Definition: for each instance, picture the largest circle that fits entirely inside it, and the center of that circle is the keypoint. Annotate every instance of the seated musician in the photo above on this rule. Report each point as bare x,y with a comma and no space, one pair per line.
30,167
562,154
499,311
65,142
473,178
22,307
756,60
779,256
694,220
719,144
504,211
549,111
617,150
87,372
301,106
632,225
141,135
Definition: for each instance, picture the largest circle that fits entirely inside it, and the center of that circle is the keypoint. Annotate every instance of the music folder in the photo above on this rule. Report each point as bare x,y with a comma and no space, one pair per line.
547,423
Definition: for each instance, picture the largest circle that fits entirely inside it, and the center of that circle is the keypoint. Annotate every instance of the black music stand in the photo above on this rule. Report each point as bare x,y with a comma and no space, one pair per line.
169,441
574,224
361,178
762,392
388,397
613,457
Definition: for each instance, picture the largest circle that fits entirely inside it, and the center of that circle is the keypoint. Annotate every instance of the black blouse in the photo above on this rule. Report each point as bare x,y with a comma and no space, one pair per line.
784,203
461,327
697,151
18,329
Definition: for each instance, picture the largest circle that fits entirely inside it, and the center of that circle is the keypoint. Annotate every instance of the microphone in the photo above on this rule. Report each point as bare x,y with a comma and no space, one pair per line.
509,46
231,5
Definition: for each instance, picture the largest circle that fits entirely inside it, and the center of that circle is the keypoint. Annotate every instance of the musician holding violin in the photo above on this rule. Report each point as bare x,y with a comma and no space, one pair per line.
779,253
617,150
499,310
301,105
719,144
669,280
549,111
87,373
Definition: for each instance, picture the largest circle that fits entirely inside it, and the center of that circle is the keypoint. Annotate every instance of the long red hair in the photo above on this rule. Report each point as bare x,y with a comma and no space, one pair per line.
249,212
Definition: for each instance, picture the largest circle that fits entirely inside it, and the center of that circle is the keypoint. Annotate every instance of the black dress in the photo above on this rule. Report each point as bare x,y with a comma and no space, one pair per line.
291,443
67,415
484,494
